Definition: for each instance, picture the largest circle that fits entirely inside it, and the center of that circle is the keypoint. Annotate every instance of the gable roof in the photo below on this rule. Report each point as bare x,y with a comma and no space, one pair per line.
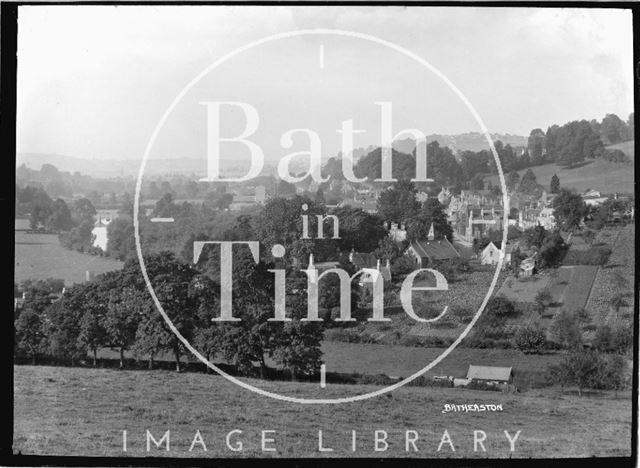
489,373
440,249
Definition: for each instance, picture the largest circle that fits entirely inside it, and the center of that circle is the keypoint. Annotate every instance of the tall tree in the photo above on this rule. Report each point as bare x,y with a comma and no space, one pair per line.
398,203
554,186
569,209
432,213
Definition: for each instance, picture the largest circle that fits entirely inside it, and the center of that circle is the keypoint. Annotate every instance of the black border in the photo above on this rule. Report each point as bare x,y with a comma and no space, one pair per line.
8,67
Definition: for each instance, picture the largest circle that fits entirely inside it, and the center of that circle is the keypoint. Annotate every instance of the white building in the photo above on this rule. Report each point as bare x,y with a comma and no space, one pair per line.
492,253
99,232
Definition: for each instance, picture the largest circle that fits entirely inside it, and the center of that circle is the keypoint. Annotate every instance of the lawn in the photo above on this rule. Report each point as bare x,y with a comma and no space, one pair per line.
40,256
598,174
74,411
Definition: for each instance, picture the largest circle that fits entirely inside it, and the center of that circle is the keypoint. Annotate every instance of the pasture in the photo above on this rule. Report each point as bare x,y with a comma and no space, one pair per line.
40,256
76,411
597,174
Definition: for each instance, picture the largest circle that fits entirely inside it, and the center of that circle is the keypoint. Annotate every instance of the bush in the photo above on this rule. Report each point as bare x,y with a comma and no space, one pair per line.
589,369
615,340
530,340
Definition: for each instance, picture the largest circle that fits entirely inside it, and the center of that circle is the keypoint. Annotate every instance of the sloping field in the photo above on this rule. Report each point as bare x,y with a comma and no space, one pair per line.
620,266
72,411
596,174
572,286
627,147
40,256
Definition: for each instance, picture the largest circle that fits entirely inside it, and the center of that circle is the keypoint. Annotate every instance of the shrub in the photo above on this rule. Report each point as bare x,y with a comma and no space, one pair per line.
530,339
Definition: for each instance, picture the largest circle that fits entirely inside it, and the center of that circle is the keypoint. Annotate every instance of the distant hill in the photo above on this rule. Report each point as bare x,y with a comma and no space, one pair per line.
472,141
597,174
104,168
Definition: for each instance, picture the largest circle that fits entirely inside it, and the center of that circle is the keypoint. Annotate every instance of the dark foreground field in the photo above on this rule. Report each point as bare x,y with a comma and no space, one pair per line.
76,411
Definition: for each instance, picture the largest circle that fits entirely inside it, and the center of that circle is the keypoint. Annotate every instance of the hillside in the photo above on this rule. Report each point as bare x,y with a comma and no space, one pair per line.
596,174
627,147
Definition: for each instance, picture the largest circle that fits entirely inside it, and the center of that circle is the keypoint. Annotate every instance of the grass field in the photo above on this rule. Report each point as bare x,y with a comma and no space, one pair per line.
597,174
402,361
72,411
40,256
622,259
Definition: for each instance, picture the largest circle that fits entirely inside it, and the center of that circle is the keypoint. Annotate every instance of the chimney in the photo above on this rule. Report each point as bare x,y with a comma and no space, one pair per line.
351,254
402,227
388,264
311,265
378,265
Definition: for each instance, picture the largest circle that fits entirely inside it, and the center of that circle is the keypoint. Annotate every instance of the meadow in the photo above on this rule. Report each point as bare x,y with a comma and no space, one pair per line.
598,174
40,256
74,411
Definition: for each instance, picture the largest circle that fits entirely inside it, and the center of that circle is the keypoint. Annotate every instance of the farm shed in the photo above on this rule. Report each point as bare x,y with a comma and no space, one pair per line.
490,374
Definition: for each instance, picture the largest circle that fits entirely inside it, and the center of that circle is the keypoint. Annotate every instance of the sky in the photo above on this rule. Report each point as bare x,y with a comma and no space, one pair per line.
94,81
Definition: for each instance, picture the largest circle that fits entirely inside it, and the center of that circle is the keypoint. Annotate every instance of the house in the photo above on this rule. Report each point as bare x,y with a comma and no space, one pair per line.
593,197
427,252
546,219
398,234
99,232
492,252
490,374
528,265
368,261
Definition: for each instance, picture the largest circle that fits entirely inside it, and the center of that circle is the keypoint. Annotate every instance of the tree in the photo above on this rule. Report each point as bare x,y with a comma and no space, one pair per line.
565,329
398,203
124,307
530,339
30,335
40,210
121,240
298,345
554,186
320,196
92,334
60,217
569,209
552,250
191,189
536,145
525,160
497,311
477,182
543,299
432,213
613,129
165,207
359,230
528,184
513,178
590,369
83,210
